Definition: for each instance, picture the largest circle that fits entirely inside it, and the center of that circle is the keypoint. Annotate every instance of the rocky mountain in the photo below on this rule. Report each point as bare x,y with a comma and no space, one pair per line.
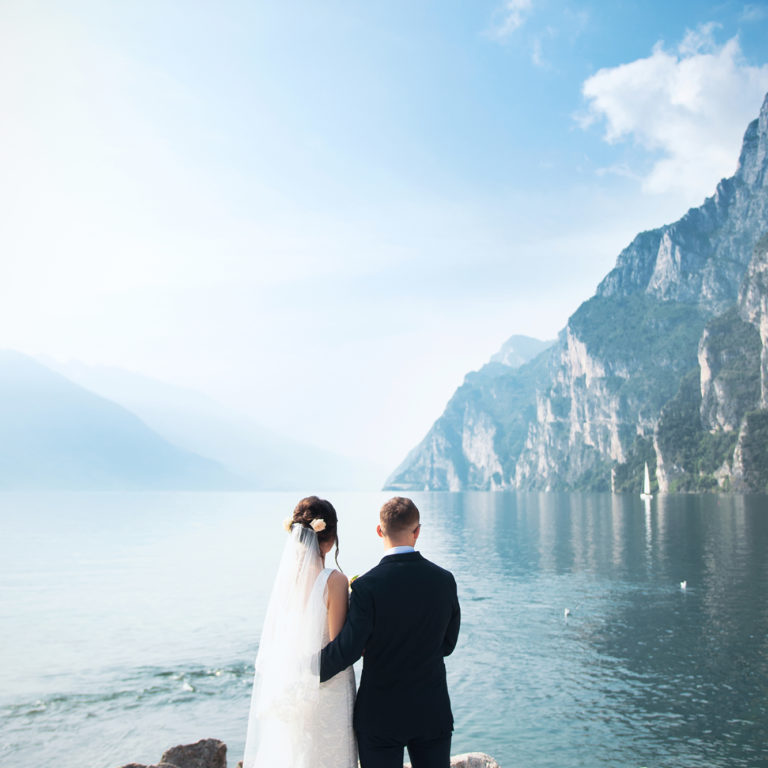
683,312
475,442
714,432
56,435
518,350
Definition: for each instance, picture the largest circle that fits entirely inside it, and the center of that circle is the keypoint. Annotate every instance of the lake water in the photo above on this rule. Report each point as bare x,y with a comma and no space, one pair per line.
129,623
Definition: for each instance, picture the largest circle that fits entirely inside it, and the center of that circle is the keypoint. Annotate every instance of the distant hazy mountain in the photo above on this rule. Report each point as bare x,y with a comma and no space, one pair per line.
55,434
666,364
190,420
518,350
486,419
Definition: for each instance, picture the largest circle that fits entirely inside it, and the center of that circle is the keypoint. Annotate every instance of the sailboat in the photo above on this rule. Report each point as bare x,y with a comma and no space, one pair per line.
646,494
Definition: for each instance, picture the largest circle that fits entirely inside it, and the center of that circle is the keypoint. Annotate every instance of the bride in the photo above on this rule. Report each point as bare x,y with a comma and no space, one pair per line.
295,721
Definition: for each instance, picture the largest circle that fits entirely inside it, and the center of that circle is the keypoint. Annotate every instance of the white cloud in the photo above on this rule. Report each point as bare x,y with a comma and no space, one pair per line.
699,40
571,27
512,16
752,13
538,57
622,170
688,106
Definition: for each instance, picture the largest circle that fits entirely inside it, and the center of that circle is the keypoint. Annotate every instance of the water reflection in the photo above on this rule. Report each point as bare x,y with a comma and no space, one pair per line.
693,660
640,669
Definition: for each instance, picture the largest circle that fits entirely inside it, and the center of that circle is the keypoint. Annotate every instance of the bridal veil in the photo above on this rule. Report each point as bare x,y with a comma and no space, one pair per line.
285,708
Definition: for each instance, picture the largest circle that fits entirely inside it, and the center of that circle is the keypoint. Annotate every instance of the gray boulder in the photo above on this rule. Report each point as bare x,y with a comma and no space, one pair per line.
207,753
158,765
474,760
470,760
212,753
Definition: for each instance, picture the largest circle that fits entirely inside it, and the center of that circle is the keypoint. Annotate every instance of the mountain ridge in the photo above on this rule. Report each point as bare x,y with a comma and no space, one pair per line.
57,435
592,420
197,423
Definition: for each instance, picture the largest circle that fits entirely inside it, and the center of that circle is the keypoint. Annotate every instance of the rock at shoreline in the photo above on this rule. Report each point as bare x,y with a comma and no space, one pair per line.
207,753
212,753
157,765
470,760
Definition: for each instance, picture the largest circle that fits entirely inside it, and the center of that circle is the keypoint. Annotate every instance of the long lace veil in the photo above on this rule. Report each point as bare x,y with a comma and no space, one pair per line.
284,703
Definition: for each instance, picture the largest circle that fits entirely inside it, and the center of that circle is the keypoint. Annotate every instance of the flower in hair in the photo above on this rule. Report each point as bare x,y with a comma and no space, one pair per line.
318,524
287,523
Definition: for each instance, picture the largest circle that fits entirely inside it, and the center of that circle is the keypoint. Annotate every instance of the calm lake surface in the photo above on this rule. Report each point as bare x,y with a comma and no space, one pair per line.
129,623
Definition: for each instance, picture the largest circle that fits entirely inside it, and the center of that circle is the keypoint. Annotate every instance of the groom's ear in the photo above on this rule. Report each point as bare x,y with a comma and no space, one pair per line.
379,531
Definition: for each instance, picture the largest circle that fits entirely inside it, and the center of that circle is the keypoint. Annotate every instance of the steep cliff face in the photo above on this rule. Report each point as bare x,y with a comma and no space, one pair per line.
684,273
750,460
729,374
750,457
712,434
477,440
753,305
701,258
589,415
621,360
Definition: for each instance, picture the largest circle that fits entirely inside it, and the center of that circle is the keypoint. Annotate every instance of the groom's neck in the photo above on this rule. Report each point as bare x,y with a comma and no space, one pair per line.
398,541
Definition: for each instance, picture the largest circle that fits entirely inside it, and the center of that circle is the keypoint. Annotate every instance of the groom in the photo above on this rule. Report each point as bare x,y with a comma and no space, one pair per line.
404,616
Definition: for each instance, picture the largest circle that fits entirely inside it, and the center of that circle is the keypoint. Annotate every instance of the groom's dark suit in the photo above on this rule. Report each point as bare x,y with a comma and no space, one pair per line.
404,616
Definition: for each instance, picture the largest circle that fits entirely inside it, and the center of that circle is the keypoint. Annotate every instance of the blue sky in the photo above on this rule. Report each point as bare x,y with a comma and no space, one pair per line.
325,214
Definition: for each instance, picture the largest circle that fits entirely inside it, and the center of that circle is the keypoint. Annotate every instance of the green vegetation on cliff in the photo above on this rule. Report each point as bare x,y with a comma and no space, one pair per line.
696,436
691,454
628,477
732,347
650,345
754,448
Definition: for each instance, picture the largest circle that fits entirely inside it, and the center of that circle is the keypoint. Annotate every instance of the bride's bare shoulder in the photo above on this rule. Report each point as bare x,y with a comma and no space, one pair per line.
337,580
337,588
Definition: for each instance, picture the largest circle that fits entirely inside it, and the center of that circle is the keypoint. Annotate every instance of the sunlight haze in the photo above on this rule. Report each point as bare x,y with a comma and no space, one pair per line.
324,215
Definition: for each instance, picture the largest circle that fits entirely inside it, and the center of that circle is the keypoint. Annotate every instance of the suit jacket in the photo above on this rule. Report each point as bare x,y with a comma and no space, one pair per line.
404,616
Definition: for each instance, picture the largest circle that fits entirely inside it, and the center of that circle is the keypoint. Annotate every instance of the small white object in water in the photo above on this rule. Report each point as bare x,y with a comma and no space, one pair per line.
684,584
187,687
567,612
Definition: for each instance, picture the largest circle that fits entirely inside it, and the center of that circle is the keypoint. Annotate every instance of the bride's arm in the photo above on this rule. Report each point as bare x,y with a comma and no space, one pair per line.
348,647
338,600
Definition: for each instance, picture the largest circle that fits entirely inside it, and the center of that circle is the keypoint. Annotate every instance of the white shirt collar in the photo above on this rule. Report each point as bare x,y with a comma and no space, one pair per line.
399,550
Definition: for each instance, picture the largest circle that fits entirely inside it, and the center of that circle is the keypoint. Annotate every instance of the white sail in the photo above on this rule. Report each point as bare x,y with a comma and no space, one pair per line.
646,494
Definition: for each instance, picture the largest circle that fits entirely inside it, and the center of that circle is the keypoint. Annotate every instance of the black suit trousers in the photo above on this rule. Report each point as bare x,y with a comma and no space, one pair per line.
379,752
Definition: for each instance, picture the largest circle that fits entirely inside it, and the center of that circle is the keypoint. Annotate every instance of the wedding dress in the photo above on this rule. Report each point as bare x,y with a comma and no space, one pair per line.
295,721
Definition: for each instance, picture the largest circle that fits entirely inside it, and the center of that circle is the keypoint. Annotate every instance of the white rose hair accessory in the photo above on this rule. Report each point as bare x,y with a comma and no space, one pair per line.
318,524
287,523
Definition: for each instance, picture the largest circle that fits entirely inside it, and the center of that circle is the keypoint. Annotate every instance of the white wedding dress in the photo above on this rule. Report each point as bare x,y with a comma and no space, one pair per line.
295,721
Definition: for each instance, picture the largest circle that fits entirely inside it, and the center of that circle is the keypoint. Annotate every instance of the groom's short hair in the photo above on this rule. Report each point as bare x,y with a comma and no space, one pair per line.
398,515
